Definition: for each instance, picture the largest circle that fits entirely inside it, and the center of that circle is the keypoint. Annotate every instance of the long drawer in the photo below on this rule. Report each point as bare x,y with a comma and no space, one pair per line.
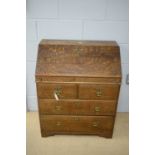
51,124
77,107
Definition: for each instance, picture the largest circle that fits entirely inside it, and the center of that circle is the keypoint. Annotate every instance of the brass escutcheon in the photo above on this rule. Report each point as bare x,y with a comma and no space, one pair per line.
95,124
98,92
97,109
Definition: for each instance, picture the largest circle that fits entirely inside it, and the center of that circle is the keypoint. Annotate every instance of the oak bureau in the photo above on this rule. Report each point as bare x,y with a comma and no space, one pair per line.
78,85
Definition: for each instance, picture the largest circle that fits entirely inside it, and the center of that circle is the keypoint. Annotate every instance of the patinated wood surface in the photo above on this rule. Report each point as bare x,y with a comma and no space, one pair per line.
77,107
70,124
78,85
78,59
66,91
98,91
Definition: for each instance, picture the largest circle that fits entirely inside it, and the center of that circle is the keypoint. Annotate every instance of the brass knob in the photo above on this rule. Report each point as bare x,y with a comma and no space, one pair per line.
58,108
97,109
58,124
95,124
98,92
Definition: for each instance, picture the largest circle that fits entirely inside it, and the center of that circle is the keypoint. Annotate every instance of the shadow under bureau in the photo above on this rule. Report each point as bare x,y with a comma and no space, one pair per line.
78,85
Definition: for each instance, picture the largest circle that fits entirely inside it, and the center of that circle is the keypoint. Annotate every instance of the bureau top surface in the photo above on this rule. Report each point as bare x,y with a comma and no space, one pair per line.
78,42
78,58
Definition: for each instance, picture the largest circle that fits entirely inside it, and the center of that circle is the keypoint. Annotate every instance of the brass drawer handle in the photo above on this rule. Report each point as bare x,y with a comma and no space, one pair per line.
56,96
97,109
95,124
58,124
76,119
58,108
57,93
98,92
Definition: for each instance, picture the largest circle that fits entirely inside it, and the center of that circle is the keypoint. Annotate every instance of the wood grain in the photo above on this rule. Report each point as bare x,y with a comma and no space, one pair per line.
107,92
80,79
68,91
77,107
68,124
55,59
86,76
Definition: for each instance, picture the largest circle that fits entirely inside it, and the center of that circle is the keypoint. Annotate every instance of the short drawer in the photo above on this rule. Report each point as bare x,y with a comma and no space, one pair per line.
99,91
51,124
77,107
63,91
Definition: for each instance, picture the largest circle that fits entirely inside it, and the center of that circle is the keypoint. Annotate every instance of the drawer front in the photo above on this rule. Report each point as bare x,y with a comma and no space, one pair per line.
76,107
82,124
63,91
99,91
